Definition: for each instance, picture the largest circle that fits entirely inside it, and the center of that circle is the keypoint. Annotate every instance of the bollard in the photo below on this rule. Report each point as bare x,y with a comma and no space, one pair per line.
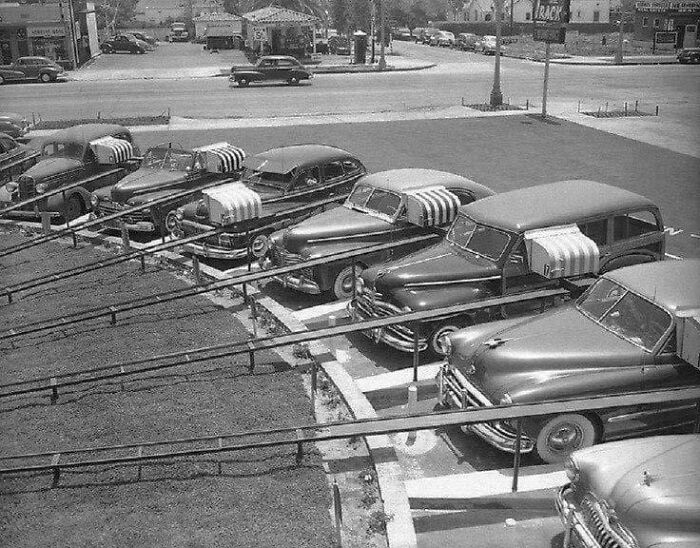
46,222
516,456
331,321
337,508
657,110
410,409
125,234
636,105
195,270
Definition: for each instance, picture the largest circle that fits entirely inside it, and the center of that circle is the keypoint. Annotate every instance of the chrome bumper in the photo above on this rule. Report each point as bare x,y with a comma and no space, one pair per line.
389,335
212,252
29,214
298,283
573,521
138,226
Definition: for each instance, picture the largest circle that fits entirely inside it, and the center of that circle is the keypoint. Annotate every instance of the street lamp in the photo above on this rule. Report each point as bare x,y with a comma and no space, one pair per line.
496,95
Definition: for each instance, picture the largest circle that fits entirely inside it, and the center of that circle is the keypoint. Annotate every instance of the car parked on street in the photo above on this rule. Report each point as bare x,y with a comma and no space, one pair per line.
41,69
98,154
274,189
487,45
339,45
13,124
271,68
15,158
633,494
402,34
689,55
635,329
382,207
426,34
466,41
145,38
165,170
510,244
123,43
443,39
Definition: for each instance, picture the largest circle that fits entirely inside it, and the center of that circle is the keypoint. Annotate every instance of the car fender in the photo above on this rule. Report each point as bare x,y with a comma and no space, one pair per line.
249,74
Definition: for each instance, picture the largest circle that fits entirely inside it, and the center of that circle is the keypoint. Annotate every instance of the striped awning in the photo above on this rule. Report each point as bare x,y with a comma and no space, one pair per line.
232,203
110,150
221,157
431,206
561,251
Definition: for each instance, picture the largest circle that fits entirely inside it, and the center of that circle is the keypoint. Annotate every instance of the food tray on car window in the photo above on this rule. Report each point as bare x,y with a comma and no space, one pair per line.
232,203
561,251
220,157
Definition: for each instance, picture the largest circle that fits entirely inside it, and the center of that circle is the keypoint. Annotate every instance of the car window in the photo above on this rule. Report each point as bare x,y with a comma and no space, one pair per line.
266,63
308,177
285,63
480,239
333,170
596,230
634,224
279,181
359,195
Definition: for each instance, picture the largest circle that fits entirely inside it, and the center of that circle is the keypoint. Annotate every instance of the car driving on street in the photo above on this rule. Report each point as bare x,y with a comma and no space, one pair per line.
41,69
271,68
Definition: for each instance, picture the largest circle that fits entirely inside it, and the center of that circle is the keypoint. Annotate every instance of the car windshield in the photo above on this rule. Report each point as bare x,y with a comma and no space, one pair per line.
480,239
170,159
63,149
625,313
374,201
280,181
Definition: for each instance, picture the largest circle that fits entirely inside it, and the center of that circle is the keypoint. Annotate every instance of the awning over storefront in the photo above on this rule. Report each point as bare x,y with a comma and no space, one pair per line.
221,157
232,203
561,251
110,150
431,206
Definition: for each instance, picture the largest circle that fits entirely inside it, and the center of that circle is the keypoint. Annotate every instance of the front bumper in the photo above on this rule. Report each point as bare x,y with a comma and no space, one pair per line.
299,281
28,214
132,226
455,391
572,518
212,252
397,336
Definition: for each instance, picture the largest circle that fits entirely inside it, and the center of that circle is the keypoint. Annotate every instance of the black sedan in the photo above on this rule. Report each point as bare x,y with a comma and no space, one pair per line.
282,68
689,55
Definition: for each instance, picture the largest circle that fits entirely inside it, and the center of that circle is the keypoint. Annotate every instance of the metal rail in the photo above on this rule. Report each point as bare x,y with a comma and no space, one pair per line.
71,230
8,167
175,294
142,253
195,355
136,453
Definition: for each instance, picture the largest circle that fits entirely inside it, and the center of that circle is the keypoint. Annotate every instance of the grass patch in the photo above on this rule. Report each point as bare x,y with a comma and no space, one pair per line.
123,121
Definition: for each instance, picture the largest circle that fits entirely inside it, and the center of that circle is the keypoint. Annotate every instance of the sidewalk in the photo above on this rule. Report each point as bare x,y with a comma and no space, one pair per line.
626,60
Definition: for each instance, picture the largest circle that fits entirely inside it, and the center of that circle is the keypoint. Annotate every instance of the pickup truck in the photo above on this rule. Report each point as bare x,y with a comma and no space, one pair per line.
270,68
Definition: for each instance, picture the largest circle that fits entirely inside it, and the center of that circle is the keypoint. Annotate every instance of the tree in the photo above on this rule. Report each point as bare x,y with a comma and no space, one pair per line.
115,13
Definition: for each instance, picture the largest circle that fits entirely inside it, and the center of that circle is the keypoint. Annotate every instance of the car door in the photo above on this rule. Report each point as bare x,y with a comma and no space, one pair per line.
285,67
121,43
27,68
267,69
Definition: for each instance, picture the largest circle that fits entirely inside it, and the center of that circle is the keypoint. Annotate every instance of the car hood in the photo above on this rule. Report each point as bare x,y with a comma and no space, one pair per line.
653,485
437,267
52,166
146,180
544,351
337,224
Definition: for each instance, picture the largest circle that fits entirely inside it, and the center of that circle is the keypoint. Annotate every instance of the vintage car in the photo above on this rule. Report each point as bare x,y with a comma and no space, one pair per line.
487,45
634,329
101,154
689,55
42,69
15,158
13,124
124,43
270,68
443,39
641,493
466,41
164,171
282,179
384,206
511,244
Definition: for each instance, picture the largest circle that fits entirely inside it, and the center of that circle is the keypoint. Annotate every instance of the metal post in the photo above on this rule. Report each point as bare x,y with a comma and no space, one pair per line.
618,53
54,390
300,447
337,508
247,248
314,385
496,99
9,297
251,357
125,234
416,352
625,108
516,456
696,426
46,222
75,238
382,22
254,316
143,263
546,80
65,209
56,469
195,270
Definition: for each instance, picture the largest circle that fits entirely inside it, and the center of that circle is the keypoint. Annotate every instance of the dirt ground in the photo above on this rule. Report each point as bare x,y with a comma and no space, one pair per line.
260,498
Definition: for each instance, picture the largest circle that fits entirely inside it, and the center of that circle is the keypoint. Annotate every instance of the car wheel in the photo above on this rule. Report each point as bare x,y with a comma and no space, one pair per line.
45,77
562,435
293,81
259,246
436,341
72,208
344,281
171,221
243,82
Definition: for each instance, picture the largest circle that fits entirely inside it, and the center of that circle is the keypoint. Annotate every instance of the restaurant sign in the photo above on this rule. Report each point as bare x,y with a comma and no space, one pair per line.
551,17
45,30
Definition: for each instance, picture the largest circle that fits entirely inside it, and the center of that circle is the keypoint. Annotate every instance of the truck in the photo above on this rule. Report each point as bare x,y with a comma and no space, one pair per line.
178,32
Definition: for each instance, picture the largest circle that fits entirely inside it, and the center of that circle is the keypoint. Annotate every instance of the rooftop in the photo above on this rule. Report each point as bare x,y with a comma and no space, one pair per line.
273,14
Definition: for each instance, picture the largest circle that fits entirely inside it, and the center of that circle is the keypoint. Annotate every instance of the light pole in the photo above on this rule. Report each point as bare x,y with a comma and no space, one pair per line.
496,95
382,30
618,53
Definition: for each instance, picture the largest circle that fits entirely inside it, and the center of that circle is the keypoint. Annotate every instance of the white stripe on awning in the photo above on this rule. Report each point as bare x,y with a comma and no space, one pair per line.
431,206
110,150
232,203
221,157
561,251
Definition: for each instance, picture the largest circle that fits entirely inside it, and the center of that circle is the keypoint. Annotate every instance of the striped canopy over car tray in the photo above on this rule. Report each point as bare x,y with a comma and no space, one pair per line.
561,251
232,203
431,206
220,157
111,151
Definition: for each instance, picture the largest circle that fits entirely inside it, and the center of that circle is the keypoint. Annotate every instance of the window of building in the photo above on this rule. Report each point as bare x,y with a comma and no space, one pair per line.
596,16
657,23
527,16
645,21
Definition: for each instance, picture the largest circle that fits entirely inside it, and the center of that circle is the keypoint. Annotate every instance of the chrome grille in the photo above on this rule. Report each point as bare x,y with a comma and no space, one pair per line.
110,208
282,257
604,529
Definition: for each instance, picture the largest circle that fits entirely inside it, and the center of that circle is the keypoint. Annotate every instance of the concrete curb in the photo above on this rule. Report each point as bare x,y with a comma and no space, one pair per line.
597,62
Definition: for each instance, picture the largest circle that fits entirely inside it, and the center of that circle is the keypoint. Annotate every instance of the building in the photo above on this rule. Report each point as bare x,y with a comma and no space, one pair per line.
204,7
582,11
654,16
279,30
65,31
219,30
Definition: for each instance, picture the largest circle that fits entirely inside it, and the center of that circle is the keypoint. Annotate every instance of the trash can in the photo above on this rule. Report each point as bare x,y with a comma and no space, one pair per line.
360,40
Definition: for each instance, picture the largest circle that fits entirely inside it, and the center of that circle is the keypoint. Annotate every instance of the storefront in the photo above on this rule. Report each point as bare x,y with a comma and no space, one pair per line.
61,31
654,19
280,31
219,30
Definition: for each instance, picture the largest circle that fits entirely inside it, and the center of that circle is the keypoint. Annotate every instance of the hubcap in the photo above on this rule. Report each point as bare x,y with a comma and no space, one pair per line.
565,439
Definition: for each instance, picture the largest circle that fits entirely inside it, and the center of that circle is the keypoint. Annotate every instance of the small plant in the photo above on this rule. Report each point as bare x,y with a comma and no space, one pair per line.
301,351
377,522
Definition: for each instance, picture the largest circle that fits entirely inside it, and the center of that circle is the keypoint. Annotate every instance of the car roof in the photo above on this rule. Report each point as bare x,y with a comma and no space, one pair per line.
279,57
675,285
401,180
86,132
553,204
36,57
285,159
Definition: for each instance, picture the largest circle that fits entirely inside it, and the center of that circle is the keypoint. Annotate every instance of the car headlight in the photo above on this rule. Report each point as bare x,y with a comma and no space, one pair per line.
94,200
505,399
202,210
41,188
11,187
572,471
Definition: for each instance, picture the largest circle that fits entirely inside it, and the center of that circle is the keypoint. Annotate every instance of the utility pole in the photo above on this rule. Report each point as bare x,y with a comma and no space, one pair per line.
618,53
546,80
496,95
382,30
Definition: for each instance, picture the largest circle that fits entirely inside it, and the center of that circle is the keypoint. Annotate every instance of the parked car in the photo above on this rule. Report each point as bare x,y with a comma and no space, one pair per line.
145,38
466,41
487,45
689,55
178,32
632,330
417,34
101,154
509,244
15,158
277,181
166,170
339,45
42,69
385,206
123,43
427,34
402,33
14,125
443,39
634,493
270,68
